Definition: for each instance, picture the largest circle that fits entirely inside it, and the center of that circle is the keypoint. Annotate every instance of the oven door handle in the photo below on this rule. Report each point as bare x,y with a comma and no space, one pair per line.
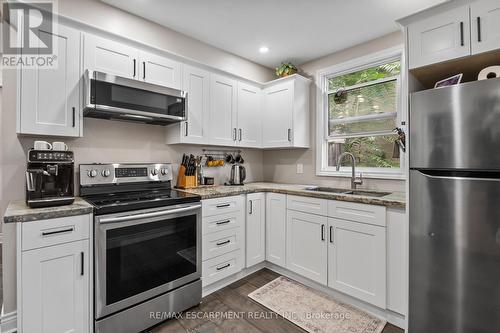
147,215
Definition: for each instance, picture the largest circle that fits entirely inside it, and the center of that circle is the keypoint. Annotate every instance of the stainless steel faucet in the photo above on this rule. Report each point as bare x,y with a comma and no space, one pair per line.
354,181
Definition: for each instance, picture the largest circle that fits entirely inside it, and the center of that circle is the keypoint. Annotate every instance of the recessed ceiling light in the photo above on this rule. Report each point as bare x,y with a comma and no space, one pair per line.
263,49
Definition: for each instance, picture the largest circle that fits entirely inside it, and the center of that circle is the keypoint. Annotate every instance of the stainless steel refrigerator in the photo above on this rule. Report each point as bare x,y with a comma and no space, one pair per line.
455,209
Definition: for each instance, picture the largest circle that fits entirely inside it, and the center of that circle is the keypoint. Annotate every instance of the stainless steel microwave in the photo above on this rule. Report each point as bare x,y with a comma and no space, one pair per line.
114,97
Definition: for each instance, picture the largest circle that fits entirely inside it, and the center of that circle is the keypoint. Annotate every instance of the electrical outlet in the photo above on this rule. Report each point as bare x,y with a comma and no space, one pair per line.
300,168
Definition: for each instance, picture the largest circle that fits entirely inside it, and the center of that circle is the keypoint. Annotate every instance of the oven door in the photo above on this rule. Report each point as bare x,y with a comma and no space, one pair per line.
142,254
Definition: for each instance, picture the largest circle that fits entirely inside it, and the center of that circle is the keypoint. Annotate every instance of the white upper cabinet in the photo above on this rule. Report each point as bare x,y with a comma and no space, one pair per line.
276,228
306,245
256,229
439,38
104,55
196,82
249,116
485,25
285,121
357,260
223,110
49,99
159,70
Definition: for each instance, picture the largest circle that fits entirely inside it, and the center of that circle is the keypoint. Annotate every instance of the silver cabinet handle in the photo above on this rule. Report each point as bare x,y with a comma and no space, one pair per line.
234,134
289,134
462,43
135,63
240,133
224,242
223,206
223,267
74,115
331,234
144,70
251,207
322,232
62,231
223,222
186,134
479,39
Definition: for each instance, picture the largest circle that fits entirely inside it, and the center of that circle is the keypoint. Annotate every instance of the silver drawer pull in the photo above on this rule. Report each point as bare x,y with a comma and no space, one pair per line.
223,206
48,233
223,267
224,242
223,222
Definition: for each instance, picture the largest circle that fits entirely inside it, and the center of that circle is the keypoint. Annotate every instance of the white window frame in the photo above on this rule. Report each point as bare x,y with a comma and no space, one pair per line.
358,64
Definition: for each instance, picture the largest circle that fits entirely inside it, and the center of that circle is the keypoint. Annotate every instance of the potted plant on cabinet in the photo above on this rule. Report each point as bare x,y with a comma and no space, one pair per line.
286,69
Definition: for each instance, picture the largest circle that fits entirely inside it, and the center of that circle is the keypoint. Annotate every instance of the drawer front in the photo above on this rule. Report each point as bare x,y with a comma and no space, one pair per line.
358,212
224,205
222,242
307,205
221,222
218,268
43,233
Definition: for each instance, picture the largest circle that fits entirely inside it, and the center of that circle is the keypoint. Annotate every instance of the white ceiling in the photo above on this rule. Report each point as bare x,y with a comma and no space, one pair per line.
294,30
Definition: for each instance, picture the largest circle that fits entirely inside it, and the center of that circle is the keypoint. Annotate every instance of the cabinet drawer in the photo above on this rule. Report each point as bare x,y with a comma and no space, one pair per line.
218,268
43,233
307,205
218,243
353,211
220,222
224,205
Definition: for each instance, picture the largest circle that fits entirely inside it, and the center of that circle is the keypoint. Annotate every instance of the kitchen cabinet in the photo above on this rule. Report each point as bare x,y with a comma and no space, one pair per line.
223,111
249,118
255,229
159,70
306,245
276,228
397,261
49,100
286,113
357,260
196,82
107,56
53,267
439,38
485,25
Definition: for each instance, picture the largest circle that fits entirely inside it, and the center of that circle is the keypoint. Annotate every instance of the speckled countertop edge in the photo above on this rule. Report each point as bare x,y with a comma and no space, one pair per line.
393,200
18,211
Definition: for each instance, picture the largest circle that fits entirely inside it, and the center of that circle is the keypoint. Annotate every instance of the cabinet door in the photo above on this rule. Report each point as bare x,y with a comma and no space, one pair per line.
276,228
277,115
485,25
223,94
357,260
110,57
55,289
256,228
197,84
50,98
306,245
249,116
439,38
159,70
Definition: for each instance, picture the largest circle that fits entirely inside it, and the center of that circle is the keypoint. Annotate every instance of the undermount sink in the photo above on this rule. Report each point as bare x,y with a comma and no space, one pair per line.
347,191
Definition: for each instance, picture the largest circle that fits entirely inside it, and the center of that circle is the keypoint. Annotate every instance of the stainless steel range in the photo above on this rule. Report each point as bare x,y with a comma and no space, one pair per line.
147,245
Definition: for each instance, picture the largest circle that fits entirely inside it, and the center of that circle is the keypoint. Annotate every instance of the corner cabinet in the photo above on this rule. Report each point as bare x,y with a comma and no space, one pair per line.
285,121
276,228
53,267
249,116
48,100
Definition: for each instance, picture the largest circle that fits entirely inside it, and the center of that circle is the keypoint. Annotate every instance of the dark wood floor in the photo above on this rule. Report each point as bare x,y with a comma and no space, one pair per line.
234,298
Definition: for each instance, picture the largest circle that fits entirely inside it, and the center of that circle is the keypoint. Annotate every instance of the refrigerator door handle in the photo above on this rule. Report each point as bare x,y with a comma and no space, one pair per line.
486,176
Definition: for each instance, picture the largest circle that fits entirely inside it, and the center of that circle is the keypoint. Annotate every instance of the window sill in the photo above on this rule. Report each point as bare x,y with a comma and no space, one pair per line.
367,175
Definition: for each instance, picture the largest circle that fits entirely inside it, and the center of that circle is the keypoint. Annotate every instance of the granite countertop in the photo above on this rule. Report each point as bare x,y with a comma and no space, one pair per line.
18,211
395,199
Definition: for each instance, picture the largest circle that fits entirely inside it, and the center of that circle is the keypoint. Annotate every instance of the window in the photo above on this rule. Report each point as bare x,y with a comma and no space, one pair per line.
358,112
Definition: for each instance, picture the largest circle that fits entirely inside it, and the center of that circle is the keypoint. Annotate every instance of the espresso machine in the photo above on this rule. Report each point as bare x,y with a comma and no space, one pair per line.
49,178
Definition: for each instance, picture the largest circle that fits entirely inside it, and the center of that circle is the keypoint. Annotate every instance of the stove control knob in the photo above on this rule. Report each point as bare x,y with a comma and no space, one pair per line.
154,172
92,173
105,173
164,172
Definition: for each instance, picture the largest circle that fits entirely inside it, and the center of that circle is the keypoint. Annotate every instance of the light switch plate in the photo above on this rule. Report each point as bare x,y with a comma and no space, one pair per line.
300,168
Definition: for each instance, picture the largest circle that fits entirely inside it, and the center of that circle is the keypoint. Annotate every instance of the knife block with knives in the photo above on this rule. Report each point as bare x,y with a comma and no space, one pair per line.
187,177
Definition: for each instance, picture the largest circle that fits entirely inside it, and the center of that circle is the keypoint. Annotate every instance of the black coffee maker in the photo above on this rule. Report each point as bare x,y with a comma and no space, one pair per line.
49,178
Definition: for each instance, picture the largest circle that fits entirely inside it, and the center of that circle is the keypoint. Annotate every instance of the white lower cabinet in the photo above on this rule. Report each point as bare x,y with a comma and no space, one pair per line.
276,228
255,229
54,284
357,260
306,245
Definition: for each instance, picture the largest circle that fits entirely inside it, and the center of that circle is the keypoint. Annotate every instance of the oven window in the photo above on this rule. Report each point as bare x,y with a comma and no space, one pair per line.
137,99
145,256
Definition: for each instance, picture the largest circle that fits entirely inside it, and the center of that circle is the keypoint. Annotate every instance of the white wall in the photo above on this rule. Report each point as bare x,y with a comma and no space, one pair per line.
106,141
281,165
